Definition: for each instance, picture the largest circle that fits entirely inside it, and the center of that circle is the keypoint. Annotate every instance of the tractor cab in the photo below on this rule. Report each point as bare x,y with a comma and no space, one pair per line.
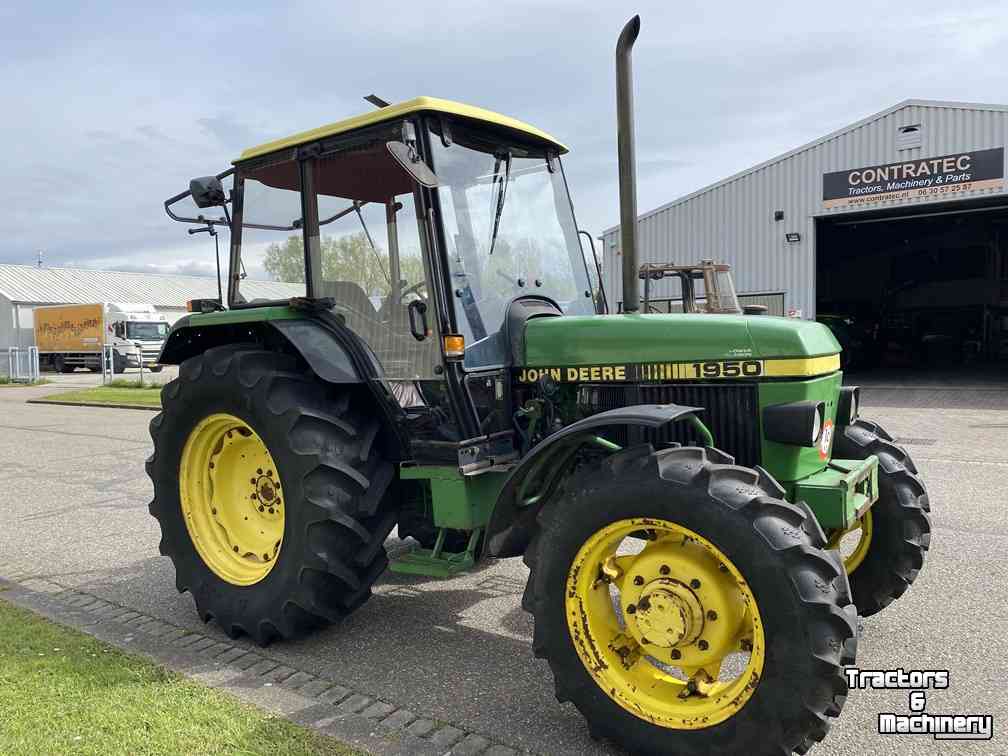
717,295
415,223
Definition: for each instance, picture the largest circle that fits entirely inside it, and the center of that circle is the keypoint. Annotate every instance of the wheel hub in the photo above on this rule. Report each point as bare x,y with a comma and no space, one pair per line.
668,614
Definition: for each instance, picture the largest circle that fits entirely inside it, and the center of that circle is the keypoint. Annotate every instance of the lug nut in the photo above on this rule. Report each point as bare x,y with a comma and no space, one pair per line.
638,580
271,510
269,473
259,470
676,653
235,549
631,609
213,511
261,508
265,557
664,569
253,481
694,583
712,615
702,644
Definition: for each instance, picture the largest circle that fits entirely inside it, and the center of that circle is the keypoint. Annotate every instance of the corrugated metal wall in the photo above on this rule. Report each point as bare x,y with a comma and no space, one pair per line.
733,221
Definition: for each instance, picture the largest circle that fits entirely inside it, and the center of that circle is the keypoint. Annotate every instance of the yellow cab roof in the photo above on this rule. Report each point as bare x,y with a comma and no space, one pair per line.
392,112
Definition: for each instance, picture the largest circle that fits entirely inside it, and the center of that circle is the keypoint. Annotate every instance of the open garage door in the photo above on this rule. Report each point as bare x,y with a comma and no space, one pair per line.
924,291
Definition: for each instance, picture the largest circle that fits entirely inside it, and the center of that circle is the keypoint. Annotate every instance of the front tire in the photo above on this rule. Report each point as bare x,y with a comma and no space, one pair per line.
895,534
239,406
693,511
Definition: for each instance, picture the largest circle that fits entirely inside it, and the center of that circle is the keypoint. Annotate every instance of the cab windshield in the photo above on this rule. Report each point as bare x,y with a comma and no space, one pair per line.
146,331
510,232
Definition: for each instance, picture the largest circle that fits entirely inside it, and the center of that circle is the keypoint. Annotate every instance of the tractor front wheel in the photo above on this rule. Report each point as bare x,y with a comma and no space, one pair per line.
685,607
269,489
884,551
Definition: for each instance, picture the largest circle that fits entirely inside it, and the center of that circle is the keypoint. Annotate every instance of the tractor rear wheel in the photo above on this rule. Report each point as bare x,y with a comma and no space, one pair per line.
269,490
685,607
889,543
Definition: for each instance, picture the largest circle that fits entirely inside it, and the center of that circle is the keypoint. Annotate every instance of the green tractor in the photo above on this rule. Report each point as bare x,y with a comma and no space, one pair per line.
689,491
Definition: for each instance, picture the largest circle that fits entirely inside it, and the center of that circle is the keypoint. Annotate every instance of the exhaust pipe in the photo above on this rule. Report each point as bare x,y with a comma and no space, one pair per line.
627,164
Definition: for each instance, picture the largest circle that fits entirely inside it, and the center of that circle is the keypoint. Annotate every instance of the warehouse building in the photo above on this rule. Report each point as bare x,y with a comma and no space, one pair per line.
892,230
25,287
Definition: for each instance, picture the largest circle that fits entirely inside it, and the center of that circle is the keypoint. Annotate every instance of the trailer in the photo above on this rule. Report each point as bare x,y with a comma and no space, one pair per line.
74,336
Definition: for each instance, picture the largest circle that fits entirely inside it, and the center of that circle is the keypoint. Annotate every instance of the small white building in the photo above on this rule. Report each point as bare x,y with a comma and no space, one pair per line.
25,287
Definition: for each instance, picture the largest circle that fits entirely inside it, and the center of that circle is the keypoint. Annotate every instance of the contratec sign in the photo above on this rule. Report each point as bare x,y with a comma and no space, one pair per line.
915,179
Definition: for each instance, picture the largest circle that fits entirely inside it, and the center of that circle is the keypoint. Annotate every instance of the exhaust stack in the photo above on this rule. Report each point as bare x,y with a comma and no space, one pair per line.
627,164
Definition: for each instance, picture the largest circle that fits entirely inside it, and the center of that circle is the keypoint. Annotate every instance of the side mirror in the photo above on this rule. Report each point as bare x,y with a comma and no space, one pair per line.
207,191
412,164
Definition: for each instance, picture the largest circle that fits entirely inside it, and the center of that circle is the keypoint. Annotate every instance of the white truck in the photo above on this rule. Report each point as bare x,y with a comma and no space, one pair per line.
73,336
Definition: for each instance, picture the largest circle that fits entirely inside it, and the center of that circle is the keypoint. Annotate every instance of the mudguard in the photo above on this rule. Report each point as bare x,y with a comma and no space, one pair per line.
511,526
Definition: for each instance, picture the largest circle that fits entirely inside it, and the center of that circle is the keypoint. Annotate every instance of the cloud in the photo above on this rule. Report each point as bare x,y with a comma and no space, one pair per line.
117,110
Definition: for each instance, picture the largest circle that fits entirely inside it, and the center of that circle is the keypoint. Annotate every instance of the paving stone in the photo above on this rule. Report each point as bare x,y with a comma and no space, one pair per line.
315,688
470,745
157,628
421,727
262,667
279,674
200,645
397,720
447,736
118,614
297,680
335,694
140,621
108,611
354,704
80,600
499,750
378,710
188,640
247,661
125,618
175,634
92,605
218,648
232,656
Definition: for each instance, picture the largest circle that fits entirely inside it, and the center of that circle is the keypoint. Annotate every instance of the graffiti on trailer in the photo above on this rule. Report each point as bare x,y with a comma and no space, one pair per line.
63,328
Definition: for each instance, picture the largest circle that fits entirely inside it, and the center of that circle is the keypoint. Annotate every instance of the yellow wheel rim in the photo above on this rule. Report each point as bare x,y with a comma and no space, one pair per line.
672,633
860,548
232,500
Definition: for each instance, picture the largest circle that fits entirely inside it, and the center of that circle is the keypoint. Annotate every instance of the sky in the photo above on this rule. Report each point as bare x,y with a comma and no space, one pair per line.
110,108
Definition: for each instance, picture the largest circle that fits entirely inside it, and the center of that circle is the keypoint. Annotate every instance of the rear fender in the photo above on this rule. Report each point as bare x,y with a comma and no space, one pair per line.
333,353
513,520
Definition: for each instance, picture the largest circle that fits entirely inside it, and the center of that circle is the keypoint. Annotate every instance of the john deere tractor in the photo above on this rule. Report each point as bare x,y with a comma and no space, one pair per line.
702,509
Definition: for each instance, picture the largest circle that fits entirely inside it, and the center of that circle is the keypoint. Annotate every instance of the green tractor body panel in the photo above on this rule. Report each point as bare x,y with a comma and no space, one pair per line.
840,493
461,502
613,339
250,315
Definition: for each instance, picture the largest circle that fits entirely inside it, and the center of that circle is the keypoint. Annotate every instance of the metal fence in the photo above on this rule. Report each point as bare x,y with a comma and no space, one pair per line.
23,364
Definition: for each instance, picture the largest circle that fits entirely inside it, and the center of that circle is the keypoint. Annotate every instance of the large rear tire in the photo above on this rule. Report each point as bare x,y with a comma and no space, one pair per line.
778,590
312,553
895,534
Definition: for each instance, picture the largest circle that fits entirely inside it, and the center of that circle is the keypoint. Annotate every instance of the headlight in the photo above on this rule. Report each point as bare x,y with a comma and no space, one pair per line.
847,405
795,423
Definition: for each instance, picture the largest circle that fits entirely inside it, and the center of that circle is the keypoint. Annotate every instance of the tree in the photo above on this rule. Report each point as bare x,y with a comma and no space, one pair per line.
344,258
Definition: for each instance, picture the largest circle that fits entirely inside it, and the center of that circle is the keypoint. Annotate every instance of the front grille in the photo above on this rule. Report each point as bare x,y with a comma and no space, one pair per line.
731,412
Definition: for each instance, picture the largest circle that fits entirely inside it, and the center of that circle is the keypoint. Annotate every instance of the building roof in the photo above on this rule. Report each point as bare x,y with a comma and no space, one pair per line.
821,140
392,112
28,284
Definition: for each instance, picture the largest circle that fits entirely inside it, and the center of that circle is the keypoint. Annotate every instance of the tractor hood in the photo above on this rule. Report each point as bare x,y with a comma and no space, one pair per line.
629,339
